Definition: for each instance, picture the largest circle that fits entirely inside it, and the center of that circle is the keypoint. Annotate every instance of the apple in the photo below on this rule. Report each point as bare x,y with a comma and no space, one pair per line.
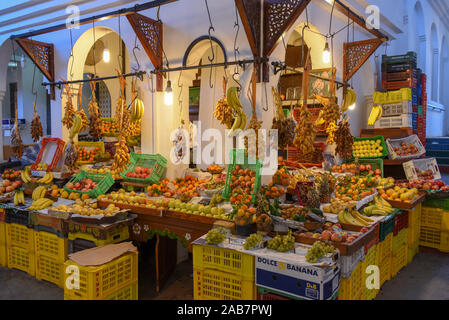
326,235
364,230
336,237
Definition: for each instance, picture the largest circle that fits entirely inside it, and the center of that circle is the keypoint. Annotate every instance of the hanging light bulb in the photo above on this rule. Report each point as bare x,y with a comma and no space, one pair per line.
326,53
106,55
168,95
351,107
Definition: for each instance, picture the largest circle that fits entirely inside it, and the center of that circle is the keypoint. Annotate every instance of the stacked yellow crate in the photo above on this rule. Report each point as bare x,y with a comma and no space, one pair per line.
353,287
434,228
399,251
3,260
222,274
414,225
20,248
51,253
385,258
371,259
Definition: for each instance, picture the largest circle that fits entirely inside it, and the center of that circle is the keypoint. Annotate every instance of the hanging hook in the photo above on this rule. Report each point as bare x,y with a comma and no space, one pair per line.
211,28
237,80
266,97
134,54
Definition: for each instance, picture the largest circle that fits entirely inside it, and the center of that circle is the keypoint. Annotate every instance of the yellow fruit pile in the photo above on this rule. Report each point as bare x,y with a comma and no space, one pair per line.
367,149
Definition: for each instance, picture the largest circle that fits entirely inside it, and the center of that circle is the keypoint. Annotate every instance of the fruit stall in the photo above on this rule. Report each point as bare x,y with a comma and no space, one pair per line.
337,217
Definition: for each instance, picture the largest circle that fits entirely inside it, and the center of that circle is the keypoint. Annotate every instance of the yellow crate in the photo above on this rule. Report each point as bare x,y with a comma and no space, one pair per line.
129,292
208,257
400,239
394,96
435,218
3,260
19,236
399,259
112,236
50,245
386,247
412,252
101,281
2,233
210,284
385,270
50,269
414,223
353,288
22,259
371,258
434,238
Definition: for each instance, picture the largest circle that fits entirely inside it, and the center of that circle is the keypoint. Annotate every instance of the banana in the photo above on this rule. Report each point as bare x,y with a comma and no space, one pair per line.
350,219
236,125
381,110
47,178
361,217
320,120
375,115
25,176
39,193
243,119
21,198
341,217
77,125
349,99
41,204
16,199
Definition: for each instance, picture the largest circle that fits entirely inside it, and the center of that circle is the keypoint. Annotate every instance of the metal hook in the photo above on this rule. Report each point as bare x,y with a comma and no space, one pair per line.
236,80
135,57
266,97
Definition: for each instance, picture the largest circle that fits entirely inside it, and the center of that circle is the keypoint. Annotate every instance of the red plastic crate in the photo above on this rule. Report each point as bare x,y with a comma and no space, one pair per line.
400,76
293,154
270,296
56,156
400,222
396,85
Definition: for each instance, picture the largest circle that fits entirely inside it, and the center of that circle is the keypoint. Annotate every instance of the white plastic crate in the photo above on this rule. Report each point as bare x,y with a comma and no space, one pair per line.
397,109
348,263
412,167
402,121
413,139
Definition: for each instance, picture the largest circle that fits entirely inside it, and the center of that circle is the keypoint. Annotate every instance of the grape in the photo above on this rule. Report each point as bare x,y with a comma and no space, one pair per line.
252,241
318,250
215,236
282,243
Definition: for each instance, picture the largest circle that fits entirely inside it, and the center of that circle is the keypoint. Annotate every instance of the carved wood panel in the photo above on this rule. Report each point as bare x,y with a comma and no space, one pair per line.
43,56
355,55
249,11
150,34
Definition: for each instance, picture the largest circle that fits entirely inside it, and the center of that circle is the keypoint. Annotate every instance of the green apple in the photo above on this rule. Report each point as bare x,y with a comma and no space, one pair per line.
214,211
195,207
184,206
207,209
209,215
202,214
221,211
201,208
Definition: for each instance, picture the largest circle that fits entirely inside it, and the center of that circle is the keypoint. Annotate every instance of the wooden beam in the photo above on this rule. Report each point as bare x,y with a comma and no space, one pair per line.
249,11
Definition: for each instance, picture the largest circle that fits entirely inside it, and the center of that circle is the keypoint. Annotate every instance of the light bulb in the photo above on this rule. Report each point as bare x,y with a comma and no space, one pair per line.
351,107
326,54
168,95
106,55
331,2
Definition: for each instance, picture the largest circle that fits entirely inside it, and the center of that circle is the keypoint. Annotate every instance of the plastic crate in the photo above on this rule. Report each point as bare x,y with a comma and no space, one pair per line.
17,216
50,270
2,233
400,222
90,145
50,153
382,143
385,248
3,259
413,139
51,245
375,239
409,56
371,259
435,218
395,85
402,75
400,239
412,167
21,259
398,67
156,162
395,96
414,224
104,180
99,282
20,236
353,288
210,284
348,264
399,259
396,109
385,270
112,236
238,155
222,259
129,292
386,227
434,238
267,294
294,155
402,121
412,251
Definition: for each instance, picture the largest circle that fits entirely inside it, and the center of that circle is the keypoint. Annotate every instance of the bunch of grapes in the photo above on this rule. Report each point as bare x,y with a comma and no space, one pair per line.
216,199
318,250
282,243
215,236
252,241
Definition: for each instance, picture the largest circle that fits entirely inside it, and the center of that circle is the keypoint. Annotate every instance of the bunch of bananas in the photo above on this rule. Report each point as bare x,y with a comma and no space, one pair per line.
25,175
375,115
121,157
349,99
353,217
320,120
40,204
19,198
137,110
330,130
381,207
77,126
234,102
48,178
39,193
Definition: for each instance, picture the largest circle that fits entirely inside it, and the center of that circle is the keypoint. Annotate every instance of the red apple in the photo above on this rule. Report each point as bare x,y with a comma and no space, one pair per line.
336,237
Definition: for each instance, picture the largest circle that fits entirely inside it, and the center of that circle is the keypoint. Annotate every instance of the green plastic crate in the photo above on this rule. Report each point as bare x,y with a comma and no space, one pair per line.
382,143
239,154
104,180
387,226
154,161
437,203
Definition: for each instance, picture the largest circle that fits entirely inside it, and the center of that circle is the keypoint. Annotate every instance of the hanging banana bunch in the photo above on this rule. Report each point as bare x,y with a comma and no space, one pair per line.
240,117
36,126
350,97
331,130
80,110
375,115
68,108
16,139
254,124
94,113
71,152
137,104
121,156
223,112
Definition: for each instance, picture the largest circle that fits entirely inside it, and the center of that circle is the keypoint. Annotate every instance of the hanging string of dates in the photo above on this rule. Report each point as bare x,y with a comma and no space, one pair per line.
121,156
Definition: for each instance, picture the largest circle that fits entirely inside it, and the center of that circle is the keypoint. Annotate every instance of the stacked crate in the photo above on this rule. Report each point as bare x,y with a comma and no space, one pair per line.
434,231
3,261
20,252
400,72
422,110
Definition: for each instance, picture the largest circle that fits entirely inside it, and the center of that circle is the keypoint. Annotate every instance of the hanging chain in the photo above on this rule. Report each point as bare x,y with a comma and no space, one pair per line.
93,52
236,50
119,57
211,28
180,86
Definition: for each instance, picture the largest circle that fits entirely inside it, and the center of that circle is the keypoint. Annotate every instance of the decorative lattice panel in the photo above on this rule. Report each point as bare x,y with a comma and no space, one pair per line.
150,33
42,54
355,55
279,16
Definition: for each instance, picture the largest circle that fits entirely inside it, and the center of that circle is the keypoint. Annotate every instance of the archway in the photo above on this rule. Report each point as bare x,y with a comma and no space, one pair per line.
435,62
444,80
420,34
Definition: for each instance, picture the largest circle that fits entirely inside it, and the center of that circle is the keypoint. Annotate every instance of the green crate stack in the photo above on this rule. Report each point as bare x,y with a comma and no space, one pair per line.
104,180
154,161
